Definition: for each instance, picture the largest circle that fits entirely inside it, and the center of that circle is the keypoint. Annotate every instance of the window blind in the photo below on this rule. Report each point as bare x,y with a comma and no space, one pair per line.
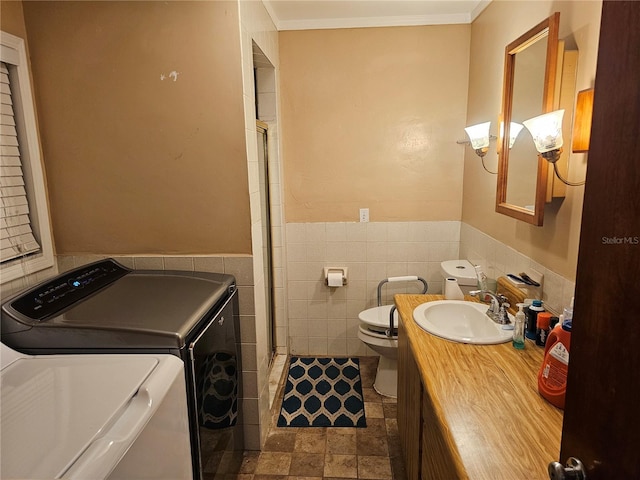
16,235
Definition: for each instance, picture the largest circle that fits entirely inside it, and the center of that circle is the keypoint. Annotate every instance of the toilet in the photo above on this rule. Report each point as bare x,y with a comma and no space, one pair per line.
372,331
374,325
462,271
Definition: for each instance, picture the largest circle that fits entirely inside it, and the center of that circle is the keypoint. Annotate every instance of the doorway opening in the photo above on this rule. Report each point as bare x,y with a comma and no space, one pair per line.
271,326
267,241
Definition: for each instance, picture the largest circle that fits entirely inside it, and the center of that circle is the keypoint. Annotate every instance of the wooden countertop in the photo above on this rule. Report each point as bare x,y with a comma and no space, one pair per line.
486,397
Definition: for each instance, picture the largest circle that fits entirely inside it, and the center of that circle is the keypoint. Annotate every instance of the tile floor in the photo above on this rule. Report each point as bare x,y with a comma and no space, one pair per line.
315,453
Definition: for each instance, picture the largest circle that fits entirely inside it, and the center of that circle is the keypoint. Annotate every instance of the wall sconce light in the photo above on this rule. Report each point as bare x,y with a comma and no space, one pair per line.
546,131
479,137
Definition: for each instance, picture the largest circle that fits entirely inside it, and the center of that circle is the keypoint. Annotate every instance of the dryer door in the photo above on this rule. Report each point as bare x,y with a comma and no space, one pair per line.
150,439
63,413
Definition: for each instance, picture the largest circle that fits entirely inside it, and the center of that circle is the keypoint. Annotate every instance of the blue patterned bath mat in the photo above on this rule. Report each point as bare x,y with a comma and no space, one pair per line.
323,392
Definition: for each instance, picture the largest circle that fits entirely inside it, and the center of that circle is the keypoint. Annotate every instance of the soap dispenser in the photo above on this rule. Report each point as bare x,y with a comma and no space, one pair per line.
518,329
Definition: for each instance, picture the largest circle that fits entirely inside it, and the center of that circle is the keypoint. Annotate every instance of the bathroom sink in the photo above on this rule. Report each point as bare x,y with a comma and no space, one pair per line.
460,321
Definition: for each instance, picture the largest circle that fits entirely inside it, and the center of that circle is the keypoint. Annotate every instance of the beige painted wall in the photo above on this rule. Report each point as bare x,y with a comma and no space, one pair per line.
370,117
12,19
136,164
554,245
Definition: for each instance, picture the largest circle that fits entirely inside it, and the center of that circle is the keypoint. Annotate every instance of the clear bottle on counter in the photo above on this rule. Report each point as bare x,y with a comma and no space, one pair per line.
568,311
518,328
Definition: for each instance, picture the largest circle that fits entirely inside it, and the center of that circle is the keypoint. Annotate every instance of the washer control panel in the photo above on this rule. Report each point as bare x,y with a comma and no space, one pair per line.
49,298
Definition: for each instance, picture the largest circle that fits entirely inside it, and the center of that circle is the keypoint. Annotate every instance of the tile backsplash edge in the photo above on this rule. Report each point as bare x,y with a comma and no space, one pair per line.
239,266
497,259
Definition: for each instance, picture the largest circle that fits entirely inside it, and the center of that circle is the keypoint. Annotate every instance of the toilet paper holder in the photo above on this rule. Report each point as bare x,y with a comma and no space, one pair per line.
333,270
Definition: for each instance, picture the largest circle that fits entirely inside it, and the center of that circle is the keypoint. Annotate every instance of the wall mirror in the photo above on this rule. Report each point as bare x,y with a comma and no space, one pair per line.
530,68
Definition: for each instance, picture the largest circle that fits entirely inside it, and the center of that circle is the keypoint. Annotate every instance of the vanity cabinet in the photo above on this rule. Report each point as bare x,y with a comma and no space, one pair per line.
470,411
409,404
439,458
426,452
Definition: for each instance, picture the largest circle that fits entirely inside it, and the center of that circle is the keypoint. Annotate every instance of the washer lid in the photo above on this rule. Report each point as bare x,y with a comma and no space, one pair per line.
142,309
146,302
54,407
379,316
461,270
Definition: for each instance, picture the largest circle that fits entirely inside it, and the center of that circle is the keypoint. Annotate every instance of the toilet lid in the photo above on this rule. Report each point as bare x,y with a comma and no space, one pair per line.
461,270
379,316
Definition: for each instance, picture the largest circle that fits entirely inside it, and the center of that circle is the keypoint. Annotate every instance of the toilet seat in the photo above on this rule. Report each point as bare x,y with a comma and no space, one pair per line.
377,318
372,331
378,338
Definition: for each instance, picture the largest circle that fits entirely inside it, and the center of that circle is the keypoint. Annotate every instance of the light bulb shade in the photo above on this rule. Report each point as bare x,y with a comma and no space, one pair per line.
546,130
514,130
479,135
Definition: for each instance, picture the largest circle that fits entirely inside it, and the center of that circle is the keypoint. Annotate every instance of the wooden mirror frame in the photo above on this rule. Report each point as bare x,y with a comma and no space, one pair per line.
547,28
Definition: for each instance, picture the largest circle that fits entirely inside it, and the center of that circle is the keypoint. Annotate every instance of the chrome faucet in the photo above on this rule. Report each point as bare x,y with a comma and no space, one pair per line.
497,311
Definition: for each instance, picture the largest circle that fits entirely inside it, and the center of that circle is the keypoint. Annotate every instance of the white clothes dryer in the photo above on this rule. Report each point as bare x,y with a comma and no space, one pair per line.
93,416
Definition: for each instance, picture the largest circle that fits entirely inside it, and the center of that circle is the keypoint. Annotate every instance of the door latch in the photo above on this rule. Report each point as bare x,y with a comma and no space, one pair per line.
574,470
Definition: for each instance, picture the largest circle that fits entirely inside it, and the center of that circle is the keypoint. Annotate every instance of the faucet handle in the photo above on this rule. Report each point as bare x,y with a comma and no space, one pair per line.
502,314
502,299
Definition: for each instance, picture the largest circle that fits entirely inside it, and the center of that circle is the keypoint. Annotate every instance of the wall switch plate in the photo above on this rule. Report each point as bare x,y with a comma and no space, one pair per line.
364,215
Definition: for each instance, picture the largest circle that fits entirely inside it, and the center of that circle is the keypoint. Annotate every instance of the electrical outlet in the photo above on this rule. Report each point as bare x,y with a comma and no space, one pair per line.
364,215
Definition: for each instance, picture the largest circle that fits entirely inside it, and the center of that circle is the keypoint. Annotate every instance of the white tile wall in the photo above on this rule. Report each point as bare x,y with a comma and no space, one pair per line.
323,320
498,259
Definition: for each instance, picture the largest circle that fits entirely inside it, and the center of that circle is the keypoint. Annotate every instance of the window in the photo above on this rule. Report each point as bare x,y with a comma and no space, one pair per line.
25,236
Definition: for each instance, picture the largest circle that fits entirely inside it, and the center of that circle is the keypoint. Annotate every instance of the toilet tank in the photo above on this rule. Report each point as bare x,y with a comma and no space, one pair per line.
462,271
